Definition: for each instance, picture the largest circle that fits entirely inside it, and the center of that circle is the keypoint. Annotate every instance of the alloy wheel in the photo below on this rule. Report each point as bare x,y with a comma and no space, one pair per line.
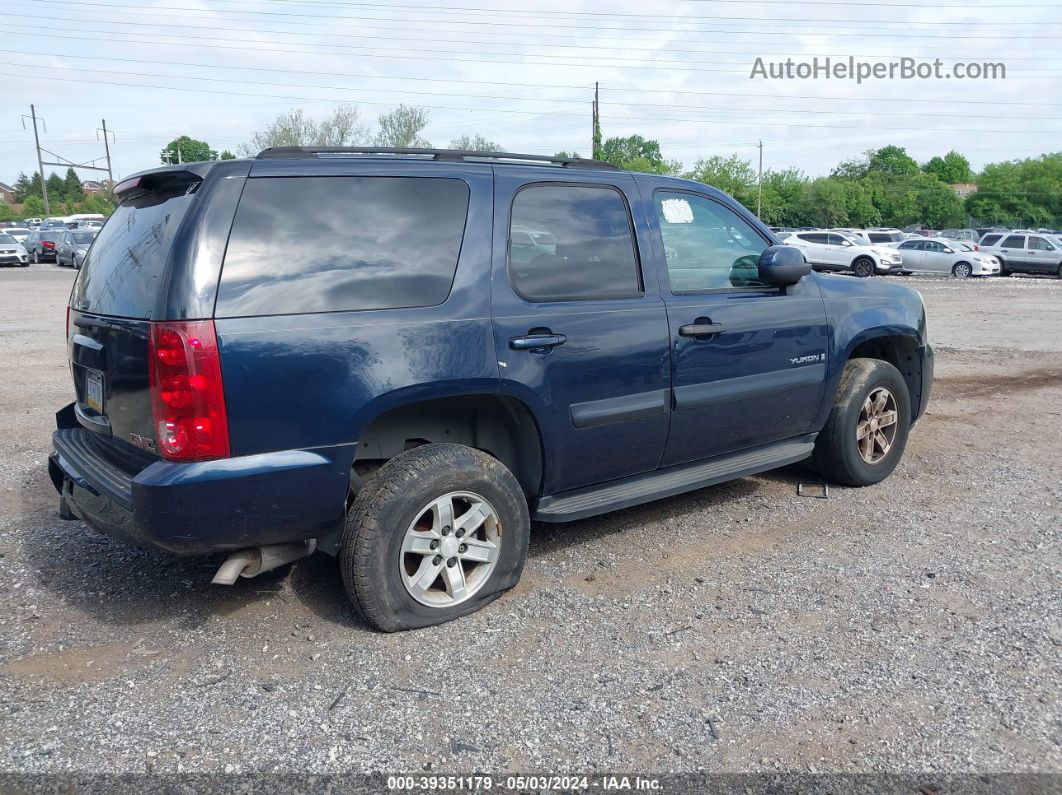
877,425
450,549
963,270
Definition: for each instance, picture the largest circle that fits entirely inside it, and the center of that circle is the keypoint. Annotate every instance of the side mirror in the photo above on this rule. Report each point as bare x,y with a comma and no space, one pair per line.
949,250
782,265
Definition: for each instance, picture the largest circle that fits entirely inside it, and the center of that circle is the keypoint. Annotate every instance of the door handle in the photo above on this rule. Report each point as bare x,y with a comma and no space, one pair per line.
534,342
701,329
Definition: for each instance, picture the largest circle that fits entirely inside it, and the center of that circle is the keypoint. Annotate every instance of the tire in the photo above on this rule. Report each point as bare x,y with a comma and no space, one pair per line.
36,258
375,563
1059,274
1003,267
75,264
962,270
863,267
837,454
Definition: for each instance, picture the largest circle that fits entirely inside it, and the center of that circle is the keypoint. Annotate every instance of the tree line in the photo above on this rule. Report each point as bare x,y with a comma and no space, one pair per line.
66,196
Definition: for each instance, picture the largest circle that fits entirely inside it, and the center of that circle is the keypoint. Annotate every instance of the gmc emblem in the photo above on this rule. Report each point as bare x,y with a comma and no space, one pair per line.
143,442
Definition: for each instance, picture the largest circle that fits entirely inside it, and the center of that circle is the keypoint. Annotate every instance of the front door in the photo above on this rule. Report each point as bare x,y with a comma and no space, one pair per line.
1041,255
748,360
580,332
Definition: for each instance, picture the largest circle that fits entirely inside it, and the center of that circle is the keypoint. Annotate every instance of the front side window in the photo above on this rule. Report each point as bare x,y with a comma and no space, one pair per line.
707,245
1039,244
572,243
331,244
910,245
1014,241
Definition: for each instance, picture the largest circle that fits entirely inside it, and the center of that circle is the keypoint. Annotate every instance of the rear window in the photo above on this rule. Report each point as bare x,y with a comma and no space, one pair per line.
331,244
123,269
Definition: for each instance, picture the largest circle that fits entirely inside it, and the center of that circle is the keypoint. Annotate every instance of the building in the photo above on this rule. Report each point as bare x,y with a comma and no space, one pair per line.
7,193
91,187
964,189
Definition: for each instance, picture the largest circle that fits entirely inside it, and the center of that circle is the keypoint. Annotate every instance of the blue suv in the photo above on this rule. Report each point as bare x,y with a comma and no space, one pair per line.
402,357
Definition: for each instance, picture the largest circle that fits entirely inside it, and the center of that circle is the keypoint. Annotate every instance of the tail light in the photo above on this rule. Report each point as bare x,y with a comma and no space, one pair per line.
47,244
187,395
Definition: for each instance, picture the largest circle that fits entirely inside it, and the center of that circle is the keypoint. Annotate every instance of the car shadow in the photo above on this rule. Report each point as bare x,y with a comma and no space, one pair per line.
121,585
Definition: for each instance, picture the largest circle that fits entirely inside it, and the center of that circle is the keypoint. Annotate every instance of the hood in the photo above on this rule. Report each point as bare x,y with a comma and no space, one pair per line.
884,251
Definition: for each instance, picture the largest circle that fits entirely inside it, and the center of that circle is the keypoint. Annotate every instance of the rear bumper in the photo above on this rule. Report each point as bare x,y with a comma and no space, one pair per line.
206,506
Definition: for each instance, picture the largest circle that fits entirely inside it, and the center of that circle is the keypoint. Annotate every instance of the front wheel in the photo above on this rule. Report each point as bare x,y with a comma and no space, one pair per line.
36,258
437,533
863,267
962,270
866,432
1059,274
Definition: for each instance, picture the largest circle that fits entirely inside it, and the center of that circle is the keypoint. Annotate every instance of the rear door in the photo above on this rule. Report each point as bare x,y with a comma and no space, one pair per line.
111,305
580,332
1012,249
913,257
757,375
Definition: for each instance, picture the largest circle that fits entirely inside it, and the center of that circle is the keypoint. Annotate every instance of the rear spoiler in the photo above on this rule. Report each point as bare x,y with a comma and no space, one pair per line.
152,181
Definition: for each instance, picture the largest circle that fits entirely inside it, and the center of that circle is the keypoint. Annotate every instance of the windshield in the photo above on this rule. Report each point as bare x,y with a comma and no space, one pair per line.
7,240
83,237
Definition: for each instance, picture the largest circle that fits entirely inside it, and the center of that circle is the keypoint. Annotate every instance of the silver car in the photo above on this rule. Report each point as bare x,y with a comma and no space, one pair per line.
12,252
73,245
937,255
20,233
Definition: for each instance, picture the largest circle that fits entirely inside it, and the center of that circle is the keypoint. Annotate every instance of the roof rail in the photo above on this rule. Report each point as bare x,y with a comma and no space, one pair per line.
455,155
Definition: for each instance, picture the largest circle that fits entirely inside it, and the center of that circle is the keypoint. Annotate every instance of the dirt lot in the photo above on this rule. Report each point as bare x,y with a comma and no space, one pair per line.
913,626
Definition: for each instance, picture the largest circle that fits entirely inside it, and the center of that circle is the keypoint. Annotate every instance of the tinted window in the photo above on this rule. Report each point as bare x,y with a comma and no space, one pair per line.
707,245
990,240
816,237
910,244
121,274
332,244
1014,241
581,245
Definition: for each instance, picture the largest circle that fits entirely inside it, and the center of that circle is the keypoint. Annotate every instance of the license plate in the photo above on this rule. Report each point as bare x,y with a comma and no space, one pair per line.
94,390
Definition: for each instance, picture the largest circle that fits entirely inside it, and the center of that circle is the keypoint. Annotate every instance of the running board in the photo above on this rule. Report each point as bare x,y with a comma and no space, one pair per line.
614,495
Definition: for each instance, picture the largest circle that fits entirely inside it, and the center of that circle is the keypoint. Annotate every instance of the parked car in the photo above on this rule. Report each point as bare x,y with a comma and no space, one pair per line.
20,233
967,235
11,251
1025,253
73,245
835,251
884,236
54,223
945,256
407,395
41,245
32,222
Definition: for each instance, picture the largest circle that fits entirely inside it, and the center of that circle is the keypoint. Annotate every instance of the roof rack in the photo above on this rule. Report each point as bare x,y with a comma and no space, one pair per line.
453,155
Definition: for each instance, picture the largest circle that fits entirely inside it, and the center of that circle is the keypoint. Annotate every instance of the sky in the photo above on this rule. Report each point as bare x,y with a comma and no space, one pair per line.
522,74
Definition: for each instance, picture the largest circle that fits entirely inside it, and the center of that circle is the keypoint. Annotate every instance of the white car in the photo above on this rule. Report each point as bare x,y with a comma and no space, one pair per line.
936,255
20,233
11,251
837,251
1024,253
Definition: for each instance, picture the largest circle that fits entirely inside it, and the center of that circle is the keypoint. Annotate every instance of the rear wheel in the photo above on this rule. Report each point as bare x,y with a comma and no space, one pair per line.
866,432
863,267
962,270
437,533
36,258
1059,274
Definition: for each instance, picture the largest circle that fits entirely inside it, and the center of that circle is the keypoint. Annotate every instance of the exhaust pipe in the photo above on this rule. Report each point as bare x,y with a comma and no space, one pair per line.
253,561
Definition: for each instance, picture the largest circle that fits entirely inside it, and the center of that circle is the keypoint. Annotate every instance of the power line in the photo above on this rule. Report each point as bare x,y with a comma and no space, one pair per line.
673,106
510,24
549,114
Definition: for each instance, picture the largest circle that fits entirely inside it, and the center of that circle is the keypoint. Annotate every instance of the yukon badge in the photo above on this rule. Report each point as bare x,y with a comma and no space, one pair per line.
143,442
810,358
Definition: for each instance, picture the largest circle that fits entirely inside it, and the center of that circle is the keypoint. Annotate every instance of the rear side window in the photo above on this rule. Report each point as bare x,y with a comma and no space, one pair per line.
571,243
1014,241
990,240
332,244
123,269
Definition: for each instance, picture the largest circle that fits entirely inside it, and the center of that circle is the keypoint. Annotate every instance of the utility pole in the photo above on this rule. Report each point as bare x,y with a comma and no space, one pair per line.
179,149
759,184
40,161
595,140
107,149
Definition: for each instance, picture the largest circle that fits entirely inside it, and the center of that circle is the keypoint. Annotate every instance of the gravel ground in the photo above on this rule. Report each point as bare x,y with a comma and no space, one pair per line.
910,627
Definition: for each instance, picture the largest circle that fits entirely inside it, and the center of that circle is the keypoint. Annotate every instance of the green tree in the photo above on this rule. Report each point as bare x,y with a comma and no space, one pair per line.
342,127
33,207
7,212
782,191
892,160
184,149
858,204
23,188
824,202
1020,192
953,168
635,153
568,156
732,175
56,188
73,188
226,155
475,143
402,128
